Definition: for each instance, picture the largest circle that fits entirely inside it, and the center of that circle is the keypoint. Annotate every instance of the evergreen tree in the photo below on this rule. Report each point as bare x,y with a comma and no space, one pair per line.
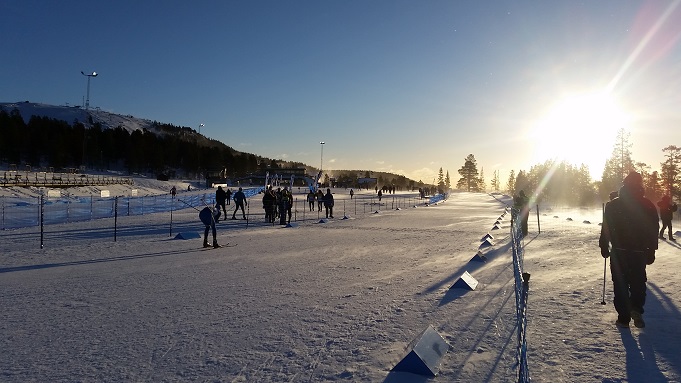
495,181
482,184
618,165
448,183
510,184
469,175
440,181
670,171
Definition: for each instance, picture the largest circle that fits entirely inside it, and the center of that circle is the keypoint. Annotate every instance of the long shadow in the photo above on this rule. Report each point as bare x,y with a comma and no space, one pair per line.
469,266
672,244
663,331
91,261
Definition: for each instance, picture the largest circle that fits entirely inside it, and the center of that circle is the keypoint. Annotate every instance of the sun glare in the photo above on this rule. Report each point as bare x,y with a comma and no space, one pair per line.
579,129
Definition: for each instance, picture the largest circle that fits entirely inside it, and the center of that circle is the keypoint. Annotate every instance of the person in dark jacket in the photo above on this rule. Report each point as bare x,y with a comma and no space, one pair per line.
268,202
667,209
239,201
630,225
229,195
328,203
220,199
208,217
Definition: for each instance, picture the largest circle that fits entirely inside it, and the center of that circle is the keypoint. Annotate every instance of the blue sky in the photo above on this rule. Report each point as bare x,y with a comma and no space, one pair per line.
401,86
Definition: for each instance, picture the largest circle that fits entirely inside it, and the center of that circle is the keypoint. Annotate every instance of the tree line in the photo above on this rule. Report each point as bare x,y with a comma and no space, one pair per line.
48,142
164,150
565,183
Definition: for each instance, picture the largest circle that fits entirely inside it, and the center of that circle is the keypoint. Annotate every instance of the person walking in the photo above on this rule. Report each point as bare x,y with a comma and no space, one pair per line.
220,198
229,195
239,201
310,199
667,209
630,227
328,203
352,193
320,199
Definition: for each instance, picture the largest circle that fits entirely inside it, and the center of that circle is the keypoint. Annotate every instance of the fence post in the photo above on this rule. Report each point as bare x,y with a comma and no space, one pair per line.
538,224
115,217
172,206
42,214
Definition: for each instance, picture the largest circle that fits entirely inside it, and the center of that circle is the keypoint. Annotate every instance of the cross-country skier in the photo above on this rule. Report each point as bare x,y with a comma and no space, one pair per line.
208,219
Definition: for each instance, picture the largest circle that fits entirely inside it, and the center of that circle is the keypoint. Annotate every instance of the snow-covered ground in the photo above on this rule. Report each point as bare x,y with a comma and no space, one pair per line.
334,301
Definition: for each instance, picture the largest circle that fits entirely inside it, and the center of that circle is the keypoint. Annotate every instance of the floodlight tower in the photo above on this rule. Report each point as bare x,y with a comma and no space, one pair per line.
321,165
89,76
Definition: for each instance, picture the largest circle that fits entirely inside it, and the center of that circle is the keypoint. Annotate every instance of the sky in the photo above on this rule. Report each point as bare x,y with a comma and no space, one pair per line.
400,86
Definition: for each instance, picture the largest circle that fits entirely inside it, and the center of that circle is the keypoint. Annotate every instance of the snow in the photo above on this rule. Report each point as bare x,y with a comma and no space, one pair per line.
324,302
72,113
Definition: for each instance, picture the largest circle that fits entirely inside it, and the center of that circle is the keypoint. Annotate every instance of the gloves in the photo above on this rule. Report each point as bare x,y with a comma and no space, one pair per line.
650,256
605,253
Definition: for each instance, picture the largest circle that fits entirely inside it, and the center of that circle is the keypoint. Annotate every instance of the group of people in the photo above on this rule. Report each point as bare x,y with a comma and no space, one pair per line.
322,199
277,204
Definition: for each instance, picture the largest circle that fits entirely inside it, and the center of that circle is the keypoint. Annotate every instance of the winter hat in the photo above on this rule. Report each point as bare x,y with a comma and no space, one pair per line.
633,179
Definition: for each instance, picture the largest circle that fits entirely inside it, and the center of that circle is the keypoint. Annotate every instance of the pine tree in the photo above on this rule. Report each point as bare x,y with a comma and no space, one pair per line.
495,181
448,183
670,170
618,165
482,184
469,175
440,181
510,184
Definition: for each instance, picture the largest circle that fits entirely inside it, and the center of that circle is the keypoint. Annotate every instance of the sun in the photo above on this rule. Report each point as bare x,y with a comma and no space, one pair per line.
579,129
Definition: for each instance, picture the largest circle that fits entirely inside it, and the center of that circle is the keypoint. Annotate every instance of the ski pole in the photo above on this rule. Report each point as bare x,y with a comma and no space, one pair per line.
605,264
188,205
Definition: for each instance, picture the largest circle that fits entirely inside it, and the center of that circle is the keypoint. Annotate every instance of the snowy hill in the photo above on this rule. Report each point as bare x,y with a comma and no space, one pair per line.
71,113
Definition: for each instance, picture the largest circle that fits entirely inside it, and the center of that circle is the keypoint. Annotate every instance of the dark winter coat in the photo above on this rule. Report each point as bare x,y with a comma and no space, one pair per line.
220,196
667,209
328,199
630,222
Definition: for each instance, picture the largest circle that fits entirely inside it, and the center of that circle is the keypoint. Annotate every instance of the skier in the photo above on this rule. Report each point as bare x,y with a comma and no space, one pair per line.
207,216
630,225
239,201
667,209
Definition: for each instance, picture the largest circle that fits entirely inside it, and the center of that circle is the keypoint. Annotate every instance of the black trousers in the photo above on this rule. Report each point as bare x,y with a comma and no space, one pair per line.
205,233
628,269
